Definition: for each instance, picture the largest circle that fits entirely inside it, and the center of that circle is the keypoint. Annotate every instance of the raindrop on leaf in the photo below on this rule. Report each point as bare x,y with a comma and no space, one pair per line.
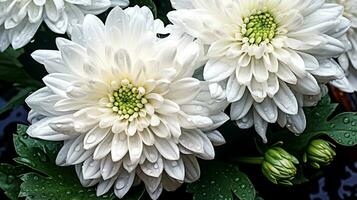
346,120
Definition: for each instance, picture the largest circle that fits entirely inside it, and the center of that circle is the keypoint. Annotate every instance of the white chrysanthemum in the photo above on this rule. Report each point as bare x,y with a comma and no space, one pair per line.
20,19
126,105
348,61
266,56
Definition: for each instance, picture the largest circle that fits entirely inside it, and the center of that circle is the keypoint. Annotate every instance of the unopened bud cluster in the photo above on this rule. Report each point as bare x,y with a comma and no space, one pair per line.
319,153
278,166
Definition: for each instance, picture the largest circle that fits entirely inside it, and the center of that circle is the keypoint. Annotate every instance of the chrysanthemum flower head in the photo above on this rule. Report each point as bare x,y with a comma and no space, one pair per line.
348,60
20,19
125,104
267,57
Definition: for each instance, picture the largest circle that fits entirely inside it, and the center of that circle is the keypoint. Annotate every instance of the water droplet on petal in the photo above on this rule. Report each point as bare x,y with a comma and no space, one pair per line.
77,148
120,185
91,139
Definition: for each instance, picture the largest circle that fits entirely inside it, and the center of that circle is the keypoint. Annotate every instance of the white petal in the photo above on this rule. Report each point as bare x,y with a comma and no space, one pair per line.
95,136
153,169
286,100
119,147
168,149
192,168
135,147
217,70
123,183
175,169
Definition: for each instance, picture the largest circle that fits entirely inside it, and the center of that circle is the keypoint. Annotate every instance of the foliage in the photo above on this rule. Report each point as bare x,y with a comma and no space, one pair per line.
9,179
16,100
46,180
341,128
12,71
219,180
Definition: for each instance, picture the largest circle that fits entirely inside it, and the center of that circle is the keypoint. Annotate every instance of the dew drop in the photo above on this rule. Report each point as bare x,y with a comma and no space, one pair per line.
346,120
91,139
77,148
91,164
10,179
156,166
347,135
120,185
174,163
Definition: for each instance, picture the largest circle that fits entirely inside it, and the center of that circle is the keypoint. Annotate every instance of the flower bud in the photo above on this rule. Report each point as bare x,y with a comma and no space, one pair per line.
278,166
319,153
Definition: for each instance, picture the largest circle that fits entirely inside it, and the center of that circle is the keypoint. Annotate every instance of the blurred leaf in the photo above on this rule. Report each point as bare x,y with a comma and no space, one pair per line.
16,100
219,180
10,56
11,70
9,180
149,3
50,181
163,7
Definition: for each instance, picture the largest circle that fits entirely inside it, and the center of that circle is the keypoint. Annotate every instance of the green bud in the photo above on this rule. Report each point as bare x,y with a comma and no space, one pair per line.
319,153
278,166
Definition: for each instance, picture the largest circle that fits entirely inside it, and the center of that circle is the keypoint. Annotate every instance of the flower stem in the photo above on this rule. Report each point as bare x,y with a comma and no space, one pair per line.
250,160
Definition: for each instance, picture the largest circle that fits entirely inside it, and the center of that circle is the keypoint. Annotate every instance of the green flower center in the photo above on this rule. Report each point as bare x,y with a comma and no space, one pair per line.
259,27
128,100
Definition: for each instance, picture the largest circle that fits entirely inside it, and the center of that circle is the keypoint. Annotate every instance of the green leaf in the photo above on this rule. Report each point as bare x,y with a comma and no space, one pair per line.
11,70
16,100
221,180
38,187
341,128
49,181
9,180
10,57
149,3
37,154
